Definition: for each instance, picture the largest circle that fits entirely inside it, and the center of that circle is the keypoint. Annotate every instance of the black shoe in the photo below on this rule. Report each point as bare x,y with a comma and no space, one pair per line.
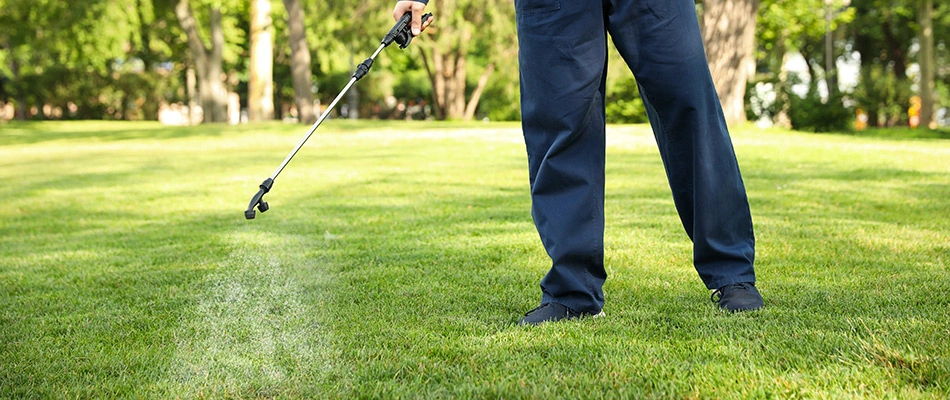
551,312
738,297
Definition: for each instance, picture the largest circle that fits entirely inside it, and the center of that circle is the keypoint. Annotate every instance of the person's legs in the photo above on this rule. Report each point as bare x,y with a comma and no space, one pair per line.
661,43
562,54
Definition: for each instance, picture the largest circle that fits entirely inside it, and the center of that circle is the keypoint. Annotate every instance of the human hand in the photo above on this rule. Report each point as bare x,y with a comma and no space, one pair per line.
416,26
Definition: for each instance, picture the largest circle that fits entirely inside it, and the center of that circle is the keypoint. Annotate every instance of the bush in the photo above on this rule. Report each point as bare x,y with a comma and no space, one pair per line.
765,100
624,105
500,101
883,95
809,113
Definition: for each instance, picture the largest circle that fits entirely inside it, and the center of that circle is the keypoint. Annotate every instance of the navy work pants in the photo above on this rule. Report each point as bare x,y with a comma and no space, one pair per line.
563,59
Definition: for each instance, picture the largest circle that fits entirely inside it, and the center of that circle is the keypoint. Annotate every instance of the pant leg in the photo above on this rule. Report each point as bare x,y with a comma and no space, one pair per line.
562,54
661,42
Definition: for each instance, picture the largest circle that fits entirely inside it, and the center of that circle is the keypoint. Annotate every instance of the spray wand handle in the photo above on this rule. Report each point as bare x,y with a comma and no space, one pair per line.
401,31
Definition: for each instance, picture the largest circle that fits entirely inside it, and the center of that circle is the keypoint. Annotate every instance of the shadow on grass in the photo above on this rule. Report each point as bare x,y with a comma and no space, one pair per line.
418,271
902,133
92,294
34,132
21,133
18,133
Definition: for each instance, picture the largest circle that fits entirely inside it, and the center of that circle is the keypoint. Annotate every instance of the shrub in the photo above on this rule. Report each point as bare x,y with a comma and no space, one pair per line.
883,95
624,105
810,113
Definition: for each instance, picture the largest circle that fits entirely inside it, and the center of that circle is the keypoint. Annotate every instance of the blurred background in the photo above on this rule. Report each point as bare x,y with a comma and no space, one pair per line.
815,65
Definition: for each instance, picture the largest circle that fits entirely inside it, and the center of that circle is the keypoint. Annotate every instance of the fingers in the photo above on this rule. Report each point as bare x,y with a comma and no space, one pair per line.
401,8
416,24
418,15
428,22
417,9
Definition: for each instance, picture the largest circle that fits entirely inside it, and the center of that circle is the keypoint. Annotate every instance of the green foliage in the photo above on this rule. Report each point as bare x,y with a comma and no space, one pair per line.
87,60
764,99
941,27
57,52
942,94
885,20
501,100
883,94
624,105
786,25
412,84
881,31
811,113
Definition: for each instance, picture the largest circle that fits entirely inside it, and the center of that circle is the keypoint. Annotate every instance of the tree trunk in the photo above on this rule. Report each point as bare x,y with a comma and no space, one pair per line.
208,62
446,60
260,86
831,66
219,94
300,62
729,35
448,75
926,61
21,109
434,70
477,93
457,98
464,25
351,109
810,68
782,90
191,88
895,50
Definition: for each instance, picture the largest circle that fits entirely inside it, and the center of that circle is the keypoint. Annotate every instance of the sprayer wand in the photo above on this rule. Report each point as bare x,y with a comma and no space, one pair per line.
400,33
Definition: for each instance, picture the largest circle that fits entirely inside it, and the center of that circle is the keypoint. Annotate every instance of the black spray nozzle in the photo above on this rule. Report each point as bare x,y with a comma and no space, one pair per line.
258,199
363,69
401,32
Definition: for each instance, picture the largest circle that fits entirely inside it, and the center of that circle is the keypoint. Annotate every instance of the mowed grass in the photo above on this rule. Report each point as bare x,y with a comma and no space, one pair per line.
397,257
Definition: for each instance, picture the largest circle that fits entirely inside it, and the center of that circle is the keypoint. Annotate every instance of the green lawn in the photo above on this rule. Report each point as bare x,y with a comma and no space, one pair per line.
397,257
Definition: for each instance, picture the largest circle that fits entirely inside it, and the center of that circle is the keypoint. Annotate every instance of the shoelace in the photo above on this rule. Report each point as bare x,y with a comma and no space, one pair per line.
718,292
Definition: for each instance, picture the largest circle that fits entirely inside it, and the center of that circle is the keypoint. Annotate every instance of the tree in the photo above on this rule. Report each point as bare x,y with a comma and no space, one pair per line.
787,27
208,61
61,61
300,62
447,55
882,33
941,22
260,96
729,35
925,58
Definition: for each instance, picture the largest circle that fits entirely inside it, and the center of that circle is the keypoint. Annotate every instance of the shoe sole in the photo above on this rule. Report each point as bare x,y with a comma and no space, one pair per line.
598,315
